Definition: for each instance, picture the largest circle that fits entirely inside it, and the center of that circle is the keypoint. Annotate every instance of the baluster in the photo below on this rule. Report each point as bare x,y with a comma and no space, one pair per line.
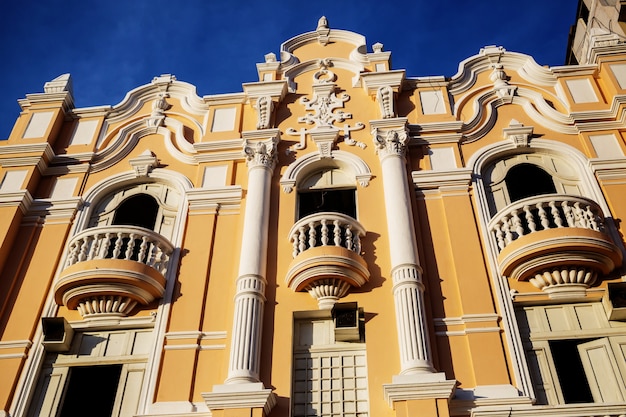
294,239
118,245
158,259
84,245
530,219
152,254
357,243
104,251
543,217
508,236
165,258
312,235
569,215
593,219
324,232
517,223
142,249
71,260
130,247
578,212
336,233
94,247
500,236
302,239
349,237
556,215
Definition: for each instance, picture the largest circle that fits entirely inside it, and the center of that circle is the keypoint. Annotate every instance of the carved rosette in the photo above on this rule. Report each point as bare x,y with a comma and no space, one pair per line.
392,142
261,154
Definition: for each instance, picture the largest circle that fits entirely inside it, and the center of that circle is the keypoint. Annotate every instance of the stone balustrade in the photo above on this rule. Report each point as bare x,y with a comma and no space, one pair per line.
120,242
326,229
544,212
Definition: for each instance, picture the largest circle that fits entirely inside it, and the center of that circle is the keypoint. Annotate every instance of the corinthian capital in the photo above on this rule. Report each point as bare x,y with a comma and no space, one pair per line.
262,153
391,142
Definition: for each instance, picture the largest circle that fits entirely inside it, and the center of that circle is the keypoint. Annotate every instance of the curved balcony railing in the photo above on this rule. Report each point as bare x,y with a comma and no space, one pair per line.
544,212
326,229
129,243
327,257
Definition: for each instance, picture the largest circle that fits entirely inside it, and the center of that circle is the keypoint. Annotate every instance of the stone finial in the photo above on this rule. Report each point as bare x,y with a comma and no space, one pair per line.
271,57
377,47
322,31
322,23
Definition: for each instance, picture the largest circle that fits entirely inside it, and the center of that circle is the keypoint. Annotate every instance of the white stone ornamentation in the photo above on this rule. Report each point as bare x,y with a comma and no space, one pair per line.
518,133
501,82
260,154
144,163
391,142
384,96
159,106
323,105
264,107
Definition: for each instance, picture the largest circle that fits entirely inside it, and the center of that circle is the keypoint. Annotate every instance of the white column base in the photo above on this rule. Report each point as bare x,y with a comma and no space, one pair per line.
247,395
419,387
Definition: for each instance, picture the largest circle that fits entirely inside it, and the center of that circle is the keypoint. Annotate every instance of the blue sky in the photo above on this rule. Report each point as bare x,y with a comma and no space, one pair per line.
111,47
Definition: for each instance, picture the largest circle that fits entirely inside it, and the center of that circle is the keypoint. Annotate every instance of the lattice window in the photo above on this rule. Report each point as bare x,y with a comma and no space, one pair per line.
329,378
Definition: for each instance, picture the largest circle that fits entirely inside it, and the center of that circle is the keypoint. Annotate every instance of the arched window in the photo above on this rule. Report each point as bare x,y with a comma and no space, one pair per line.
527,180
139,210
515,177
327,190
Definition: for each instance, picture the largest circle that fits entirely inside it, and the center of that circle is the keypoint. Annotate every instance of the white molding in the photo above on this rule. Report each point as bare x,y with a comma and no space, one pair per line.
21,199
427,180
250,395
307,164
568,410
427,389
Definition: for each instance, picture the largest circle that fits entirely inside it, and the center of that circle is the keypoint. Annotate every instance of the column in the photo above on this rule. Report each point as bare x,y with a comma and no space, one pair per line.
408,290
250,299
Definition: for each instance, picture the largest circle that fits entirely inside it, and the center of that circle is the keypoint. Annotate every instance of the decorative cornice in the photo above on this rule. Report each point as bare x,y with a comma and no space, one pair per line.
609,169
55,211
373,81
21,199
210,200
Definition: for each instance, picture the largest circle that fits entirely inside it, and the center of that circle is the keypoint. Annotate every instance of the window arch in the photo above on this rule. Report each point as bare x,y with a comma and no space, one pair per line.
327,190
518,176
139,210
527,180
152,206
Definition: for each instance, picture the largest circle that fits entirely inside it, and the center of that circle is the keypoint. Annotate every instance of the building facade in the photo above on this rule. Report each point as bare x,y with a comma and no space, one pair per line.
338,239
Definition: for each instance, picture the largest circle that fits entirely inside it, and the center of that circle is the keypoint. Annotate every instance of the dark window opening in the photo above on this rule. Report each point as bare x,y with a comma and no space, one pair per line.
139,210
337,201
570,371
527,180
91,391
583,12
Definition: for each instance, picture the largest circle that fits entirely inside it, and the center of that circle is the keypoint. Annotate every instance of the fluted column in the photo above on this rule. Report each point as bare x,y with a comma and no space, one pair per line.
408,290
250,296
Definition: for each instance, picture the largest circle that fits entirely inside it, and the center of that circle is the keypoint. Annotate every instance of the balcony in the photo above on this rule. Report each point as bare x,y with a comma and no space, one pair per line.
110,270
327,257
557,242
